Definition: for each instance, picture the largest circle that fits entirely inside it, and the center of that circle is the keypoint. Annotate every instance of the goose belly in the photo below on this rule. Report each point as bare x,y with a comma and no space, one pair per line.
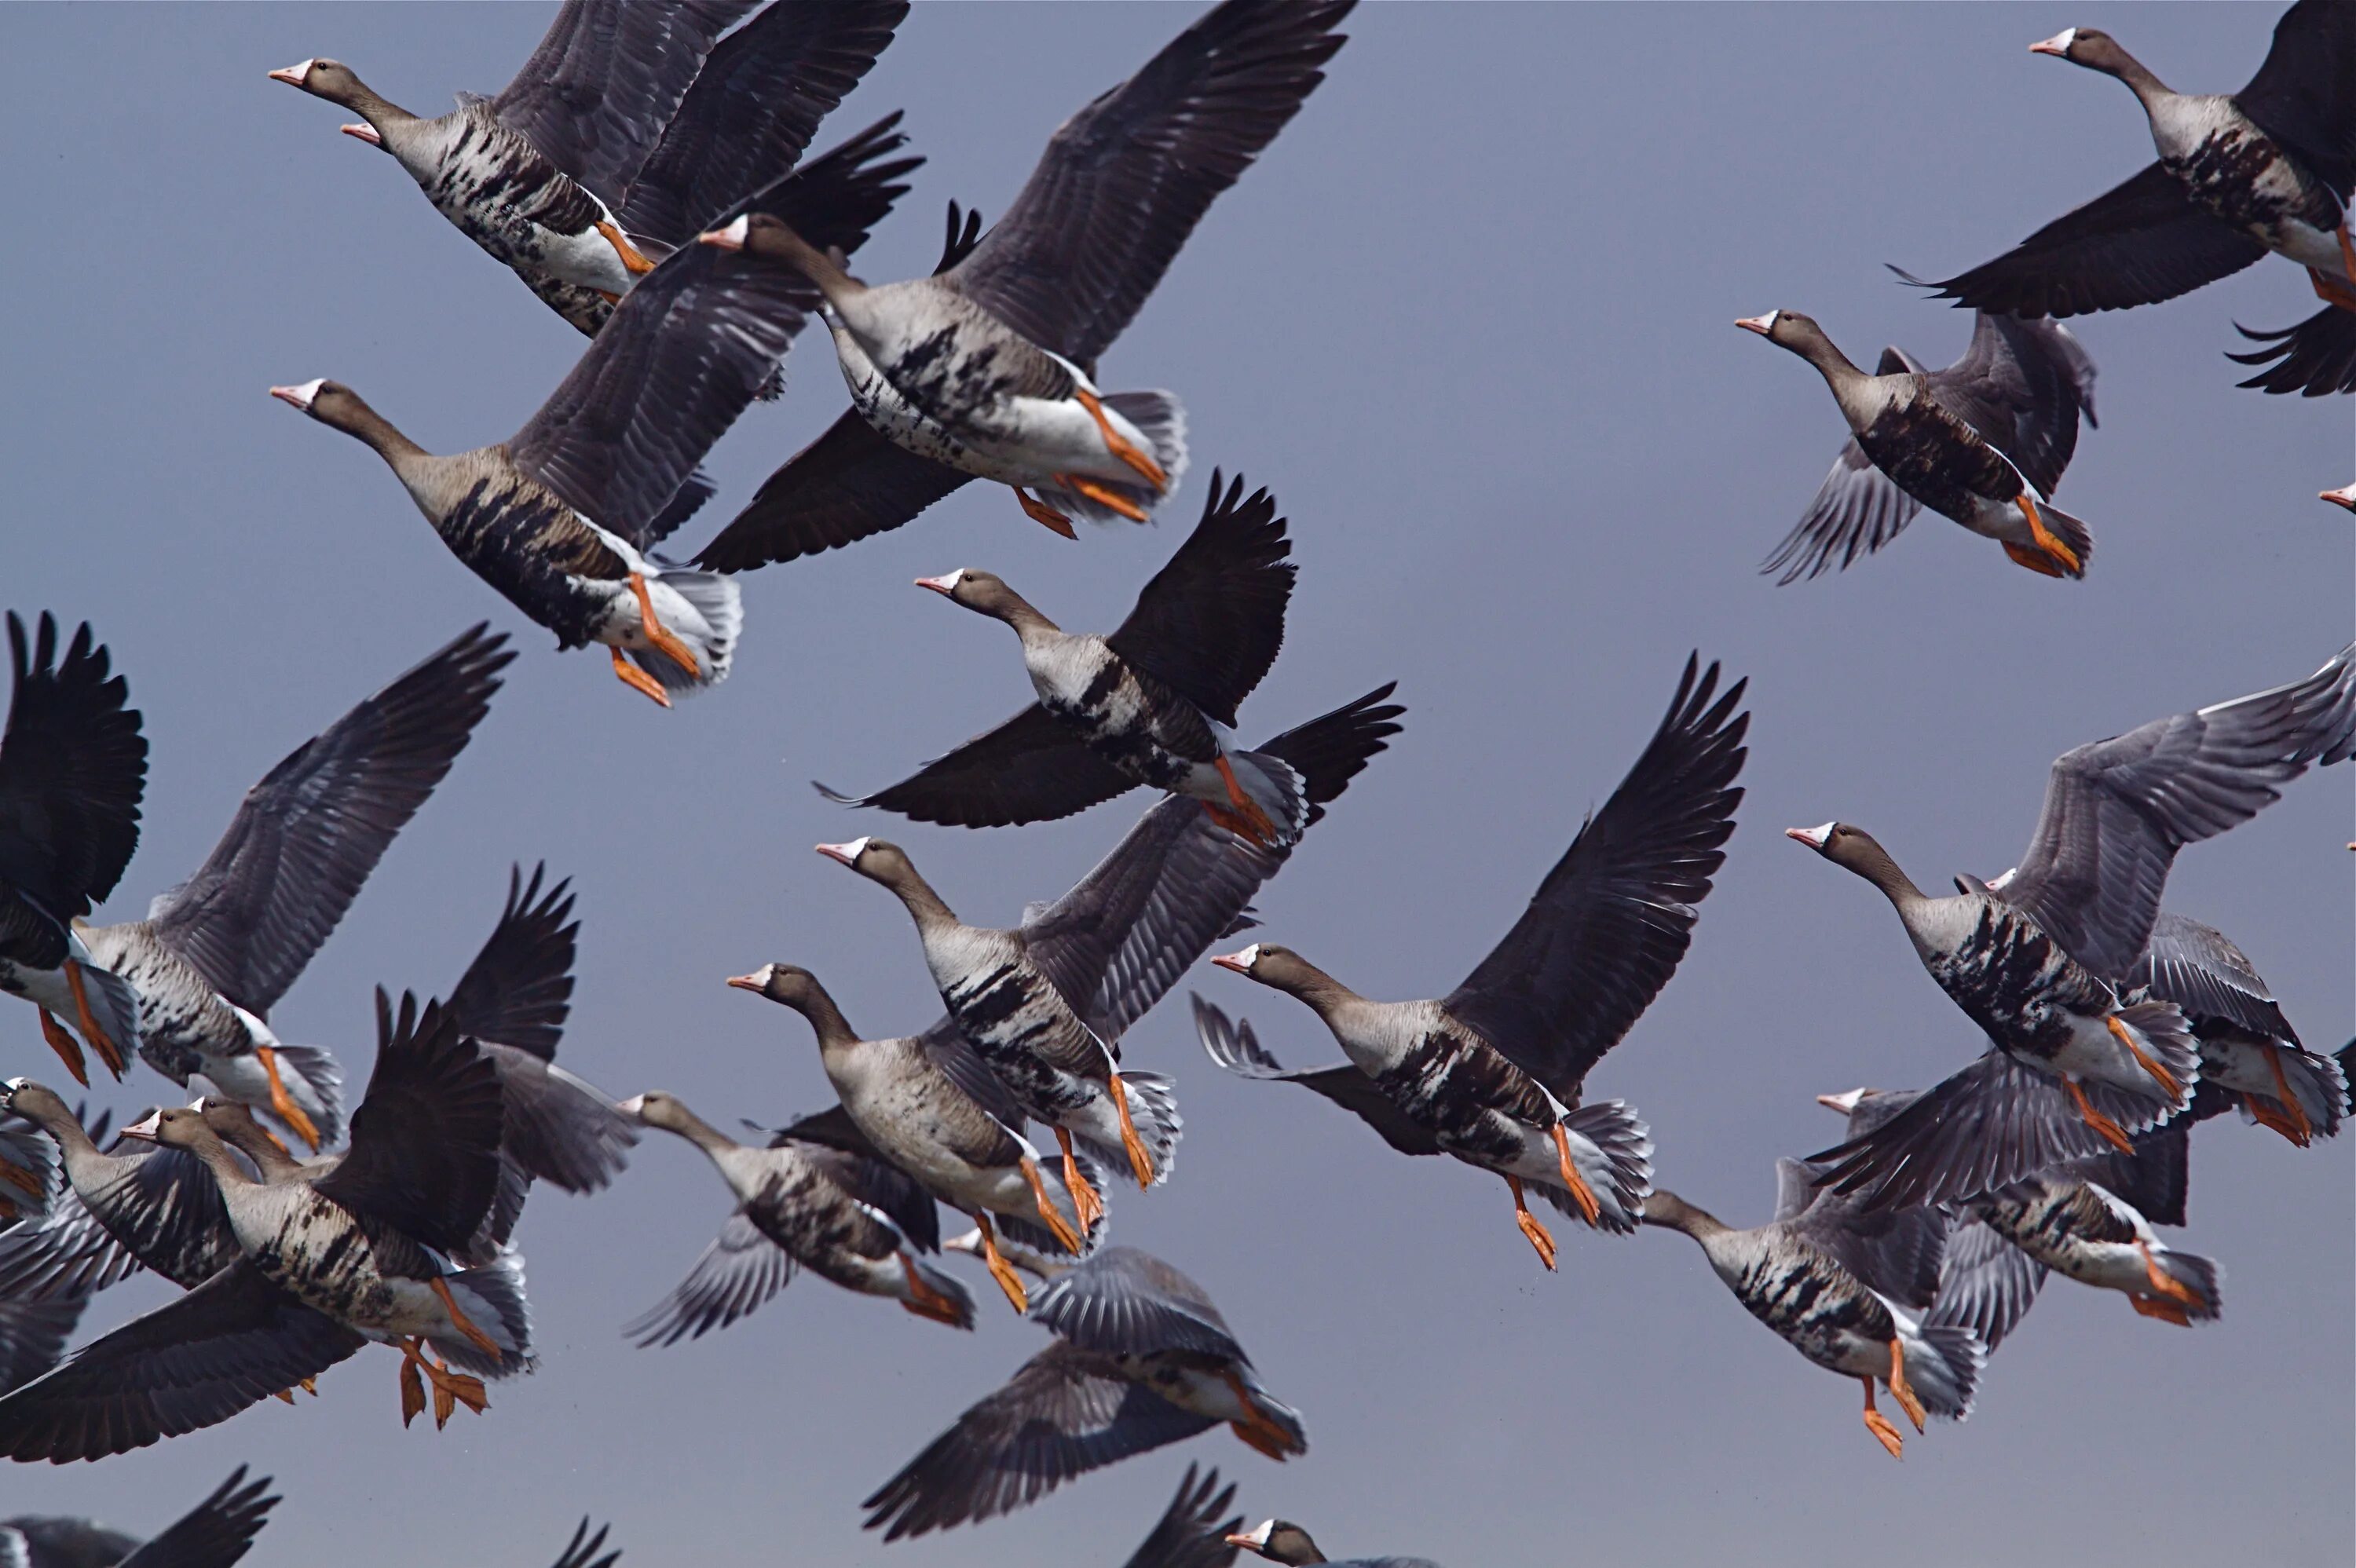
2014,981
317,1253
1117,720
501,533
1837,1329
2242,176
1424,1084
1010,1014
1924,452
2041,1222
184,1027
505,195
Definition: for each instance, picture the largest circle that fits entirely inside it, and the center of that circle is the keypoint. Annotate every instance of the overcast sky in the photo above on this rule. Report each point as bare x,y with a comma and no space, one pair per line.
1471,318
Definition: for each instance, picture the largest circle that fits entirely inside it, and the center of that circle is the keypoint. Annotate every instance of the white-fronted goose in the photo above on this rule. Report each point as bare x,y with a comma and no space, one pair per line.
1281,1541
587,1551
2251,1058
215,1533
956,1132
2345,496
329,1264
2267,168
1142,1359
1983,442
1150,704
1192,1533
1495,1072
74,767
796,1203
216,953
987,368
558,517
2043,964
632,125
1842,1287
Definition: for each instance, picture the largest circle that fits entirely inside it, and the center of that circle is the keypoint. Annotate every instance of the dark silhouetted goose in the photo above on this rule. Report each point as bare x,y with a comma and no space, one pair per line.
329,1264
1495,1072
1281,1541
2043,964
216,954
846,1220
1983,441
1142,1360
558,517
72,768
2267,168
215,1533
987,368
1149,705
948,1124
1192,1533
1846,1289
632,125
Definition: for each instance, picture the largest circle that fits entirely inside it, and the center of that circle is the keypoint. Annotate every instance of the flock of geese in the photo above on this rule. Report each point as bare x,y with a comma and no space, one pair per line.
644,174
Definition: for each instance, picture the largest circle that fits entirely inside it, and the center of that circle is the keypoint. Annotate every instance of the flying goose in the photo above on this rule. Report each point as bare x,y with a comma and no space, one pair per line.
1495,1072
1141,1360
1029,308
1983,442
1281,1541
1150,704
215,1533
1849,1290
1191,1533
2251,1058
73,766
845,1219
216,953
558,517
632,124
326,1265
2043,963
951,1125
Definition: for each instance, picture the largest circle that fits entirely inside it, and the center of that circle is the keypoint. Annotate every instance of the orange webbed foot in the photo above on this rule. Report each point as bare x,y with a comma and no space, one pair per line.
69,1049
281,1104
639,680
1039,512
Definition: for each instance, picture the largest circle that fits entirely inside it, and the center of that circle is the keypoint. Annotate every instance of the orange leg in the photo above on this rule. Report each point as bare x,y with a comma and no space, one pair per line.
282,1103
451,1388
1580,1193
1141,1161
2165,1284
2061,554
1899,1389
2291,1120
1120,447
999,1269
637,264
1110,500
1039,512
2165,1311
2023,556
1537,1234
69,1049
1086,1205
639,680
2332,290
1879,1425
2160,1075
922,1299
2102,1123
1256,823
665,640
489,1346
107,1050
1050,1215
1259,1431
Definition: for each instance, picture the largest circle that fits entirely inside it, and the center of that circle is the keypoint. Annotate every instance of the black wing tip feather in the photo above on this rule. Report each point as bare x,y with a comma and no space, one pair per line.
582,1551
1334,748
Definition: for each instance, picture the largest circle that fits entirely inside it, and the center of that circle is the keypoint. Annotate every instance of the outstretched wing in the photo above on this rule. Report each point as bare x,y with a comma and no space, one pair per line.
1033,768
72,768
847,484
215,1533
1191,1533
1208,625
424,1156
1234,1046
2304,96
737,1273
519,990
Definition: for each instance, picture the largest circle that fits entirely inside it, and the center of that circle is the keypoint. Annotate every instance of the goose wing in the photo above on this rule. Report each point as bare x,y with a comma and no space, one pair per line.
1208,625
74,767
215,1533
1191,1532
2022,385
1123,1301
2304,96
1033,768
738,1272
424,1156
1234,1046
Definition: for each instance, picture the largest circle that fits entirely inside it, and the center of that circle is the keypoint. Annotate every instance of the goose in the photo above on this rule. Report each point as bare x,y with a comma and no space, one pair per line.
2043,964
955,1131
558,517
74,767
2251,1058
1191,1533
1849,1290
28,1164
587,1551
215,1533
1141,1360
1149,704
2344,498
1495,1072
216,954
2267,168
2088,1220
326,1265
631,124
1281,1541
1027,309
796,1204
1983,441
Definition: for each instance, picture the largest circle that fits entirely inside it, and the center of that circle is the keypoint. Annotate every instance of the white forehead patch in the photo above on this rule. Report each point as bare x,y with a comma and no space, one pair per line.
857,847
1249,956
302,396
734,230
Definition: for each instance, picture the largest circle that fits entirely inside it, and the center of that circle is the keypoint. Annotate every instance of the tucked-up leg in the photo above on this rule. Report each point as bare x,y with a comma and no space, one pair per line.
1086,1204
67,1048
1051,1216
922,1299
2102,1123
108,1051
632,261
1039,512
665,641
2159,1073
1141,1159
465,1325
1899,1389
281,1104
1110,500
639,680
999,1269
1119,445
1580,1193
2047,541
1259,1430
2290,1120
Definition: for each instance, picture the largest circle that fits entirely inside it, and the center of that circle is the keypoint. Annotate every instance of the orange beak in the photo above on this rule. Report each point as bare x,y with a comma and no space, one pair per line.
844,853
1761,324
744,982
2057,46
362,133
942,585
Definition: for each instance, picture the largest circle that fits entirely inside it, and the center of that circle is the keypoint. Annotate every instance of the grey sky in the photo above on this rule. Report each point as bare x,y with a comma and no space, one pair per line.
1471,319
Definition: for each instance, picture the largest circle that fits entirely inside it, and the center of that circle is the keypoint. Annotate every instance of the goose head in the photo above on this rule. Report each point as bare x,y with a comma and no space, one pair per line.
337,83
771,239
2344,496
36,1103
2098,50
655,1108
1855,849
878,860
329,402
1280,968
175,1127
1279,1541
1800,334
